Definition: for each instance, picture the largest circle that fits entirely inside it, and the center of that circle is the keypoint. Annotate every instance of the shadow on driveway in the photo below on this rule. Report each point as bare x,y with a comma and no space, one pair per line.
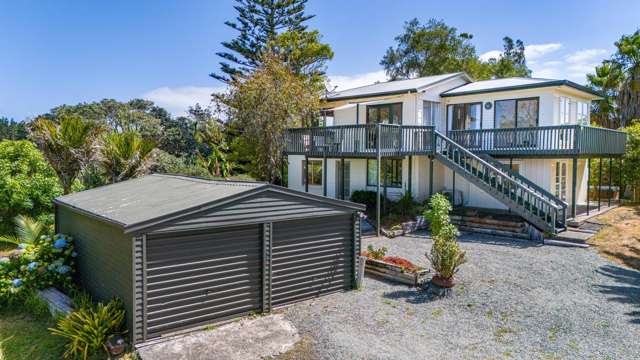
626,292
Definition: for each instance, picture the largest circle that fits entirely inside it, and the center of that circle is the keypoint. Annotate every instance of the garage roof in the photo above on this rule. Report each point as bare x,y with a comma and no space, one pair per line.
156,196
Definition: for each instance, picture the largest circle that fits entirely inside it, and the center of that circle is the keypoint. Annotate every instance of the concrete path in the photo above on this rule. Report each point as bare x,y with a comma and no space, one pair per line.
243,340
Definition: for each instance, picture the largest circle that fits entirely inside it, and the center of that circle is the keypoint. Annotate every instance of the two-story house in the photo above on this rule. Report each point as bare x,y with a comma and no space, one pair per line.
521,144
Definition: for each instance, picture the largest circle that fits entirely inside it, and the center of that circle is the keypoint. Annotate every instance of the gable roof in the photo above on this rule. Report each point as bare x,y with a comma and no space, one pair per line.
392,87
515,83
155,197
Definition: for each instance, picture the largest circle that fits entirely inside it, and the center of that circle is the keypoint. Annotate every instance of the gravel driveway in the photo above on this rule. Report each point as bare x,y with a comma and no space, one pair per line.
515,299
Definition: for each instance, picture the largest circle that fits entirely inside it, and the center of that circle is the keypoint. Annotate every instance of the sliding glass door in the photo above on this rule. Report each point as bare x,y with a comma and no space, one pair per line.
512,114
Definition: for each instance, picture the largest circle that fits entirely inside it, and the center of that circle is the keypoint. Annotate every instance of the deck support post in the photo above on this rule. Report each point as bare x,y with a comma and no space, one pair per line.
588,182
610,176
574,177
342,178
453,185
599,181
410,170
282,163
378,179
621,191
306,173
430,176
324,175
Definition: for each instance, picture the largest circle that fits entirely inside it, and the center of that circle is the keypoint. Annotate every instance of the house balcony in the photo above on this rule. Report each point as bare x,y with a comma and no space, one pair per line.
361,141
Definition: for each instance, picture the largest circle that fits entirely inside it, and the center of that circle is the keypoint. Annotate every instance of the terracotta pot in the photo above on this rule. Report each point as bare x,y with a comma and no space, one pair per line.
443,283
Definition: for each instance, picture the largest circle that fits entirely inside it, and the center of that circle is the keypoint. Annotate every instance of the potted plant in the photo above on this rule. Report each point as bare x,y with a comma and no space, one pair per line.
446,257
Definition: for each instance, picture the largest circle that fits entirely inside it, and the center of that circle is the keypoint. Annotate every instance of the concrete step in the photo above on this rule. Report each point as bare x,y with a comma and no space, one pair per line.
578,237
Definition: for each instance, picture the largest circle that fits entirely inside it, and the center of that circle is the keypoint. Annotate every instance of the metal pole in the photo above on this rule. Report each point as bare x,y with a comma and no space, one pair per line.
324,174
599,181
378,179
453,202
588,182
574,177
342,179
610,175
410,174
306,173
621,191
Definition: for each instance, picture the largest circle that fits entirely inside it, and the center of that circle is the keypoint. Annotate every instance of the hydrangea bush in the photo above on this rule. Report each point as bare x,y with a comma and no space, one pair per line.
48,262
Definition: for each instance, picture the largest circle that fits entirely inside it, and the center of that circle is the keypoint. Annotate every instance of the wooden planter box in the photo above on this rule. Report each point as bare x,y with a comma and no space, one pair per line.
396,273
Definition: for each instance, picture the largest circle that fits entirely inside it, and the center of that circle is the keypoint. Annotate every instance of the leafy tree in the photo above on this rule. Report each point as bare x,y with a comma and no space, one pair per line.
628,58
214,159
67,142
632,157
512,62
303,52
430,49
606,79
124,155
27,182
258,24
266,103
12,130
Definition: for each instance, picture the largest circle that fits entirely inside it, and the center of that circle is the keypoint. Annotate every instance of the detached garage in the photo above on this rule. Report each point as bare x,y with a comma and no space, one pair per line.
184,252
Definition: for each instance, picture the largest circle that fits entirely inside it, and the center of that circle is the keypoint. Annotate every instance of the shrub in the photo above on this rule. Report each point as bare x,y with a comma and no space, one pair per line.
49,262
88,328
365,197
445,256
376,254
405,206
27,182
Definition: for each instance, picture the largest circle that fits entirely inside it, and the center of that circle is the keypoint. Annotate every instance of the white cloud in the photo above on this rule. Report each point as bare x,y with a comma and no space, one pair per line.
534,52
586,56
343,82
495,54
178,99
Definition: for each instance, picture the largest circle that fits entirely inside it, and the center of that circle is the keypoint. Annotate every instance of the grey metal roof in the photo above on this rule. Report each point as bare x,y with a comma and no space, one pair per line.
515,83
160,196
392,87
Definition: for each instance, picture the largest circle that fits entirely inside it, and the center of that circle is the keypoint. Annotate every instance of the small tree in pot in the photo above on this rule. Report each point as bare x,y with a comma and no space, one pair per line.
445,256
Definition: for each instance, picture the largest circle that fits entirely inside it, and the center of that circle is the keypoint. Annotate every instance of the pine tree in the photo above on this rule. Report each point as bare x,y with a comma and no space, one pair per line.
258,23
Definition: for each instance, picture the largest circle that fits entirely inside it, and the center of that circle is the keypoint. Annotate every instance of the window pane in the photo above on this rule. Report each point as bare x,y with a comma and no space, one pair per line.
505,114
430,113
315,172
384,114
372,115
458,122
396,114
390,172
473,116
371,172
527,113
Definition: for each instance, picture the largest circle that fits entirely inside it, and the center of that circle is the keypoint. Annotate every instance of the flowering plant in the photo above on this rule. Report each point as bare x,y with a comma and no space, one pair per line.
49,262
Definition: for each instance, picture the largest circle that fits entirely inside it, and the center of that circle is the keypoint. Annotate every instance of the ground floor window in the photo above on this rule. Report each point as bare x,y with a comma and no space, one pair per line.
391,171
315,172
561,179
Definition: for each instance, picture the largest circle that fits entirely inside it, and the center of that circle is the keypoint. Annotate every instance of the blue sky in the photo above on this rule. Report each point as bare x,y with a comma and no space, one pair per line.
54,52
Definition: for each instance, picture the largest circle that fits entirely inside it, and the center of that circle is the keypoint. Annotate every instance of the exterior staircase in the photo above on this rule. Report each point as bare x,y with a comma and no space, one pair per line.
535,205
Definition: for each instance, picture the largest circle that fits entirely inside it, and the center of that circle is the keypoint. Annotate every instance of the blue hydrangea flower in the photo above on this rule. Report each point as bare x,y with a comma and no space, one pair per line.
60,243
63,269
74,254
17,282
22,246
32,265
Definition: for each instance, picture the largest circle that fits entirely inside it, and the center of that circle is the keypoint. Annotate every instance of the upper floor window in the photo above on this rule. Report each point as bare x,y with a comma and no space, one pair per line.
573,112
516,113
582,113
464,116
430,113
384,113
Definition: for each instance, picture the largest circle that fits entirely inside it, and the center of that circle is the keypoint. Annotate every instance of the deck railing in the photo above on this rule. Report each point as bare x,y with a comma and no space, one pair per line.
360,140
403,140
543,141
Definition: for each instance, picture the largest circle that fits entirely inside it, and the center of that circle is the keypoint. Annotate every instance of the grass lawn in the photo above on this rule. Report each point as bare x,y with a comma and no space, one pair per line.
23,336
620,239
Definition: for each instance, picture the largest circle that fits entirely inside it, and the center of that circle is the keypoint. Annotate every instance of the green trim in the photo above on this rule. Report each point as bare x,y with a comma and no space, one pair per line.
551,83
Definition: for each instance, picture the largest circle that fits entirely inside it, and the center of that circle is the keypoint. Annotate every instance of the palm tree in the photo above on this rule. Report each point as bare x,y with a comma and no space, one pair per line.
124,155
606,79
628,56
68,143
28,231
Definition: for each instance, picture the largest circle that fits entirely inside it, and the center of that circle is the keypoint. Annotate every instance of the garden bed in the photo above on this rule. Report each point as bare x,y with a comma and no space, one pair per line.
397,269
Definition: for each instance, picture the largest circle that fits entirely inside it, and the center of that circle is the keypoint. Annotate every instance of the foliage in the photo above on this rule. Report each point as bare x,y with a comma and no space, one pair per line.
445,256
88,328
48,262
435,48
27,183
303,52
606,79
405,206
632,155
376,254
214,156
28,231
258,24
12,130
166,163
365,197
405,264
263,106
67,142
125,155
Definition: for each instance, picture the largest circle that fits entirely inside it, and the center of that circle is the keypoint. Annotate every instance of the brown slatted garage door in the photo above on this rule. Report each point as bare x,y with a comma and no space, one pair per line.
311,257
197,277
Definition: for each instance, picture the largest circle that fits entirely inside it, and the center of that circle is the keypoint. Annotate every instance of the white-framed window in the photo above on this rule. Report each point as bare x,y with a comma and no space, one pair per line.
582,113
560,171
430,112
565,110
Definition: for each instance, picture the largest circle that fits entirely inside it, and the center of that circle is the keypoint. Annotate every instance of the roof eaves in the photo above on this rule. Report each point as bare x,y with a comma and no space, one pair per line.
382,93
523,87
88,213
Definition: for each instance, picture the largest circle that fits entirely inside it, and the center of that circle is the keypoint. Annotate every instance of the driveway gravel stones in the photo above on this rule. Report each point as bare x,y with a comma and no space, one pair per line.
514,300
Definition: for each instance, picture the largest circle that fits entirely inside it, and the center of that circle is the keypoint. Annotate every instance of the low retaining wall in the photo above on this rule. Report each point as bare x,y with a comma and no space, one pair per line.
396,273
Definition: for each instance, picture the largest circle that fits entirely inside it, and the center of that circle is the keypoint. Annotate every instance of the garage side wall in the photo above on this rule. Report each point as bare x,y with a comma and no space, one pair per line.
104,261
